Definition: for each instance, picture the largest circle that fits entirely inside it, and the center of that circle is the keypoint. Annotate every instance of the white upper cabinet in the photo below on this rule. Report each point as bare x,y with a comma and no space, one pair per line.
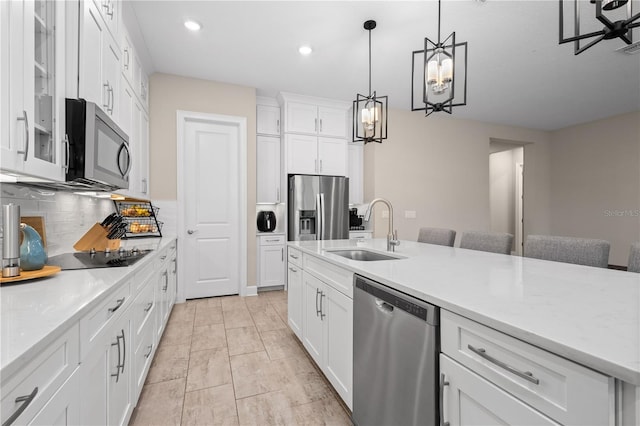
332,157
110,11
128,55
99,62
268,120
301,154
268,169
32,79
316,120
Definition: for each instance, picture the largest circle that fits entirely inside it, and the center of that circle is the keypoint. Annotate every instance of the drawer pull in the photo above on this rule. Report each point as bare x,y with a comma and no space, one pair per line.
443,383
25,400
527,375
294,256
292,269
118,304
148,353
163,257
148,307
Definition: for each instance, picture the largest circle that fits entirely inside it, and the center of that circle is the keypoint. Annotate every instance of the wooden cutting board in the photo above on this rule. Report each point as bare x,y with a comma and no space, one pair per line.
30,275
37,223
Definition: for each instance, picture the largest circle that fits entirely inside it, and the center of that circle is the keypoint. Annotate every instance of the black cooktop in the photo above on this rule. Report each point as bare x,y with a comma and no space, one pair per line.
99,259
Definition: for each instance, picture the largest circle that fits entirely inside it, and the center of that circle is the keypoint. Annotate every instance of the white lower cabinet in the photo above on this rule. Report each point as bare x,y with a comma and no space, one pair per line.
63,409
495,378
468,399
327,319
271,260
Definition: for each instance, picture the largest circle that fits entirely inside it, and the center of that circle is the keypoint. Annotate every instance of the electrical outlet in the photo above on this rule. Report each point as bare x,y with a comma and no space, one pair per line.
410,214
385,214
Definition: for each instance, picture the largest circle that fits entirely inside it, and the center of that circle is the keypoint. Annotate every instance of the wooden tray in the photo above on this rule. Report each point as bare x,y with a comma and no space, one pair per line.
30,275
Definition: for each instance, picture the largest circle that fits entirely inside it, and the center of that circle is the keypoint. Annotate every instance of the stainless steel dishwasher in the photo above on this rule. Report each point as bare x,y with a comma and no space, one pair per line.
396,340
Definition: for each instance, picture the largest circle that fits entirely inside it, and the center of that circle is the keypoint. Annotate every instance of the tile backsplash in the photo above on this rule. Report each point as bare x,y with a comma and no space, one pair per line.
67,216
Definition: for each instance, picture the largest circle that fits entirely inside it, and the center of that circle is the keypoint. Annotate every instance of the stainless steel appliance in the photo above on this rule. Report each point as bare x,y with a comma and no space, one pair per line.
97,259
396,342
266,221
318,207
98,154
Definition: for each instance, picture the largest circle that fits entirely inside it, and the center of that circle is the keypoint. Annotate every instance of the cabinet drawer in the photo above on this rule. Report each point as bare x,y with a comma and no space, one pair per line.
336,277
563,390
47,372
142,357
295,256
96,321
271,240
142,277
143,308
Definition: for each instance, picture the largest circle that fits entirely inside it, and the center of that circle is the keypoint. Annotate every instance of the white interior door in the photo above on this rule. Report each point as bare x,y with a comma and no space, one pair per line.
212,206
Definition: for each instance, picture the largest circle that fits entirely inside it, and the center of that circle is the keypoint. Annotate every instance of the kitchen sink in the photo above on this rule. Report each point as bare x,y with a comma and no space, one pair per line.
364,255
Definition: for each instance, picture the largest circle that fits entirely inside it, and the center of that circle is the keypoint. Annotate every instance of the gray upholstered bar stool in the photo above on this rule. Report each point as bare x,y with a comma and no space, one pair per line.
494,242
580,251
634,258
438,236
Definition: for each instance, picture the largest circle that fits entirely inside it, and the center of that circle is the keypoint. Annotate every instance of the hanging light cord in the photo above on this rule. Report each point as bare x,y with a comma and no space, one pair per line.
438,22
369,63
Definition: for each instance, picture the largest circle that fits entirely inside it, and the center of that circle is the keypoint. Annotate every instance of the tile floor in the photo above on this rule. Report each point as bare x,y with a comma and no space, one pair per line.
233,360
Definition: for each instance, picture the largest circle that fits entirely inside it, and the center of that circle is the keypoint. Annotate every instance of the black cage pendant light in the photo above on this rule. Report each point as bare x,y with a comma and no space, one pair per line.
369,112
438,77
620,28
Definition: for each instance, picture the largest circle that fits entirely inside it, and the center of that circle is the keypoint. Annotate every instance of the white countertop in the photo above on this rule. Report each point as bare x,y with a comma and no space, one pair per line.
34,313
585,314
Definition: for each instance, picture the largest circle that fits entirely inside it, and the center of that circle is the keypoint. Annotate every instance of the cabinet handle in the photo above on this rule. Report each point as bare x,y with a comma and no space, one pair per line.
292,269
163,257
293,255
316,124
282,254
109,7
126,63
149,353
117,374
144,185
68,153
278,194
316,163
25,118
166,281
148,307
119,303
322,314
278,126
320,165
25,400
527,375
112,97
443,383
124,351
317,293
106,86
321,125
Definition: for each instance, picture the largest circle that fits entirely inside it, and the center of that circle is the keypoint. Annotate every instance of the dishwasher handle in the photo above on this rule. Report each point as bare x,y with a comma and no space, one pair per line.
384,306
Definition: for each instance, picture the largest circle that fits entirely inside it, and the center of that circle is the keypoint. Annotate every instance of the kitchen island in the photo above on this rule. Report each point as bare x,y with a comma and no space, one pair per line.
587,315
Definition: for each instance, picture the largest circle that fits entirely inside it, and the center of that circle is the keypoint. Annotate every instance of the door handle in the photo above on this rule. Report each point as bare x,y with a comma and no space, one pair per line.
106,86
148,307
25,118
282,254
124,351
117,374
317,293
384,306
443,383
321,165
68,153
321,125
190,231
322,314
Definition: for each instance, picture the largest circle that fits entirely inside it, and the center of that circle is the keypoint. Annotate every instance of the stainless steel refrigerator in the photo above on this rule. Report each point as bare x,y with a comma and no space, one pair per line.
318,208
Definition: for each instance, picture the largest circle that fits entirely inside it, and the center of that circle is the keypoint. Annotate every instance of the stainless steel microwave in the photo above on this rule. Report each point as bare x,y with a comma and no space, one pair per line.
98,155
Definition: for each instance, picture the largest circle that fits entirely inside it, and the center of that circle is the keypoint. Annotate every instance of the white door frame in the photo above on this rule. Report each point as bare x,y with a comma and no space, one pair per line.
241,123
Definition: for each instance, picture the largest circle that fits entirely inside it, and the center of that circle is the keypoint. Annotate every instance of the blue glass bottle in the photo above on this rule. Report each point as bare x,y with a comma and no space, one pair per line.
33,256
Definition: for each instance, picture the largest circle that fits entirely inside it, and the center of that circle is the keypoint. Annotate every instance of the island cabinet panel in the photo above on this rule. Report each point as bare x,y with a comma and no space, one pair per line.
559,389
320,313
468,399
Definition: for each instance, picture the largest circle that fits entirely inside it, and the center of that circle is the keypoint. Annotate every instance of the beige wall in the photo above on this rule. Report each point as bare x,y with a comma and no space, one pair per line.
439,167
595,171
169,93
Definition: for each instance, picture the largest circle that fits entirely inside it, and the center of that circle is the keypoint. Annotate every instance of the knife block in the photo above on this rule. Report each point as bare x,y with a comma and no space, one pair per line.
96,238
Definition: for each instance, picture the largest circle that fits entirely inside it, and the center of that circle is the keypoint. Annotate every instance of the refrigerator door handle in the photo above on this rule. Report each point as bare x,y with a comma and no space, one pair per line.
322,218
319,217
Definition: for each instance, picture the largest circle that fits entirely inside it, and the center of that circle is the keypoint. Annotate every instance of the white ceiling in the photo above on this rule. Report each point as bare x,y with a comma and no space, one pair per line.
518,74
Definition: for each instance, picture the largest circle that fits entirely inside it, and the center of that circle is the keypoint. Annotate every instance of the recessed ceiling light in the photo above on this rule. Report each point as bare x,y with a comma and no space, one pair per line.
305,50
192,25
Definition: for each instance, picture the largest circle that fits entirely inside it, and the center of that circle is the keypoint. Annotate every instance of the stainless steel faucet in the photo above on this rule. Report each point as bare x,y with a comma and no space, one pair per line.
392,236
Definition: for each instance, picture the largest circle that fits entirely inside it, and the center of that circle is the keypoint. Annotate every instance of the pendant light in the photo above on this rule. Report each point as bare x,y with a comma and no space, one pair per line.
620,28
369,112
437,77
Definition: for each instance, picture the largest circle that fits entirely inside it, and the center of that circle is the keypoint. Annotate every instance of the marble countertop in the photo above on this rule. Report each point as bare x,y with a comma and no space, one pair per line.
34,313
585,314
